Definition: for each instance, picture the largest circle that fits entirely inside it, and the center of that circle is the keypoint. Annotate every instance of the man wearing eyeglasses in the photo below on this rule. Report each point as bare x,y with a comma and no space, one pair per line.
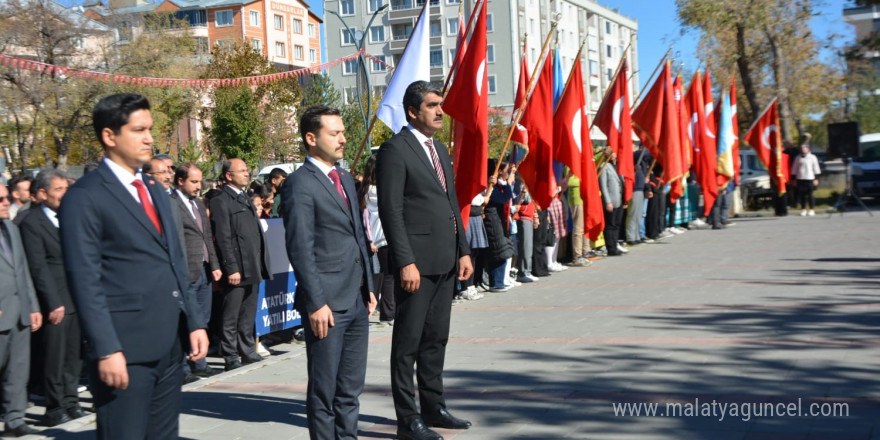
244,260
158,169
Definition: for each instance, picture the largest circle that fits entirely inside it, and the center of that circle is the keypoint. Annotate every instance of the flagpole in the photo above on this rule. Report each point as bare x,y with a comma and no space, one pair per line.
531,88
656,69
470,24
366,138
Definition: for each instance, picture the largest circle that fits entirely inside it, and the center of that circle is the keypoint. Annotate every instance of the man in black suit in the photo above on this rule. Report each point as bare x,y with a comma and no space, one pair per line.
61,337
327,248
244,260
422,222
201,258
126,272
19,316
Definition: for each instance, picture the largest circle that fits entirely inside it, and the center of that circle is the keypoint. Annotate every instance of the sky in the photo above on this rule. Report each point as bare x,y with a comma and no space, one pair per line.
659,29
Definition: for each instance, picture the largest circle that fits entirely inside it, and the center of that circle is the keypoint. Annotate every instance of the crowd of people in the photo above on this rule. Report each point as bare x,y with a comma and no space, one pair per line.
142,264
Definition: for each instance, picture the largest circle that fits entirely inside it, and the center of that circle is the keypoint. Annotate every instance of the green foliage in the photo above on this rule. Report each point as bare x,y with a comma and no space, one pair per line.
251,122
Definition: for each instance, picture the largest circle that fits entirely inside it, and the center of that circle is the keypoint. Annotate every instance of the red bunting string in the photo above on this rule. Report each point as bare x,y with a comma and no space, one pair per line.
43,68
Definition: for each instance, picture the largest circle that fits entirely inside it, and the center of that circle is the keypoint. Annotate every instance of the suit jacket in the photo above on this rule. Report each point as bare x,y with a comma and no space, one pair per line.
17,297
42,244
195,236
325,241
241,244
417,215
611,185
129,283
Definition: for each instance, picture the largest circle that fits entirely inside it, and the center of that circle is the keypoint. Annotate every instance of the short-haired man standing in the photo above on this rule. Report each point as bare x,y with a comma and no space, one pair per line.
201,258
19,192
422,222
126,271
19,316
244,260
327,248
61,340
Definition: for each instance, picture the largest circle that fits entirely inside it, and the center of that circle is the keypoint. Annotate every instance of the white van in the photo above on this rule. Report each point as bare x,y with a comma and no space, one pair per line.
753,178
866,167
287,167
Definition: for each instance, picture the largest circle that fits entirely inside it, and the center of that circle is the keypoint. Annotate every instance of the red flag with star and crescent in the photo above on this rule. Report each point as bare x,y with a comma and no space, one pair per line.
615,120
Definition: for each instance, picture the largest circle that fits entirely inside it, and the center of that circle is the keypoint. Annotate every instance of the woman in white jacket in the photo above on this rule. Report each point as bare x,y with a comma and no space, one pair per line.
806,171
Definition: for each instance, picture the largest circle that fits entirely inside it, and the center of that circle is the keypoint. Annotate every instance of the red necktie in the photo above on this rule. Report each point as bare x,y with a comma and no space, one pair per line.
148,206
436,160
334,176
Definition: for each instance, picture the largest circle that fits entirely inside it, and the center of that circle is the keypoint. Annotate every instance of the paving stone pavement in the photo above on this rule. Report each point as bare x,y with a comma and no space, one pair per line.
769,312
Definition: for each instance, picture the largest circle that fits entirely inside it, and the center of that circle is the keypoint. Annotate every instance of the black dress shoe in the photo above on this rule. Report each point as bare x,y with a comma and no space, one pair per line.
19,431
77,412
56,419
417,431
251,358
442,419
207,372
232,364
189,378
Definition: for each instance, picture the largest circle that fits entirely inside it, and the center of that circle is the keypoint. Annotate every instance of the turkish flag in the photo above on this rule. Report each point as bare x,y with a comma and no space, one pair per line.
537,168
571,133
703,148
656,124
735,150
467,101
614,119
521,135
766,139
677,188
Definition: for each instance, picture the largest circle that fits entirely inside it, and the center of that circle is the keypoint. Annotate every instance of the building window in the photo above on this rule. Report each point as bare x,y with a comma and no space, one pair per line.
203,45
279,22
379,90
224,44
347,37
490,23
490,53
532,26
223,18
401,31
609,74
257,45
377,34
378,66
452,2
594,68
436,30
255,18
608,50
451,57
452,26
313,56
346,7
607,27
312,30
436,57
298,52
349,67
349,95
374,5
279,49
492,88
195,18
297,26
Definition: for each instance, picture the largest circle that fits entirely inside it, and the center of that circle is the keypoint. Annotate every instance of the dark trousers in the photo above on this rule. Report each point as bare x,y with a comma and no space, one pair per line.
384,288
202,290
15,357
63,364
149,408
613,220
337,367
805,193
421,331
239,310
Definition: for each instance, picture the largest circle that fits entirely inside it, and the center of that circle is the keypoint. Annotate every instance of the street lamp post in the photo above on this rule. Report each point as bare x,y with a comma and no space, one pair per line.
363,78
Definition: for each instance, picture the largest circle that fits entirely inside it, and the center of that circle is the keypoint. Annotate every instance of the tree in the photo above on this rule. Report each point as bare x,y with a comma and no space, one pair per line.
49,111
769,44
249,121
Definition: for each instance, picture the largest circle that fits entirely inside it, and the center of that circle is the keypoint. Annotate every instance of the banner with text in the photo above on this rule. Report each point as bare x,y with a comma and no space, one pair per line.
275,302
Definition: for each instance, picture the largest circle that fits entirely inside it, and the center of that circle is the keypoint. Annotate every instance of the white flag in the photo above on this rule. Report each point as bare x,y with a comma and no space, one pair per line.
414,65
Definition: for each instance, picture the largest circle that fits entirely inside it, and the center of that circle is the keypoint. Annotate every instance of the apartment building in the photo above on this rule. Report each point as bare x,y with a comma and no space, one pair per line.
286,32
605,32
866,20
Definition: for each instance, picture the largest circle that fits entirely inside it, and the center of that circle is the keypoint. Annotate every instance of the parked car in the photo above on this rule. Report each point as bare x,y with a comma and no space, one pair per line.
754,181
287,167
866,167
